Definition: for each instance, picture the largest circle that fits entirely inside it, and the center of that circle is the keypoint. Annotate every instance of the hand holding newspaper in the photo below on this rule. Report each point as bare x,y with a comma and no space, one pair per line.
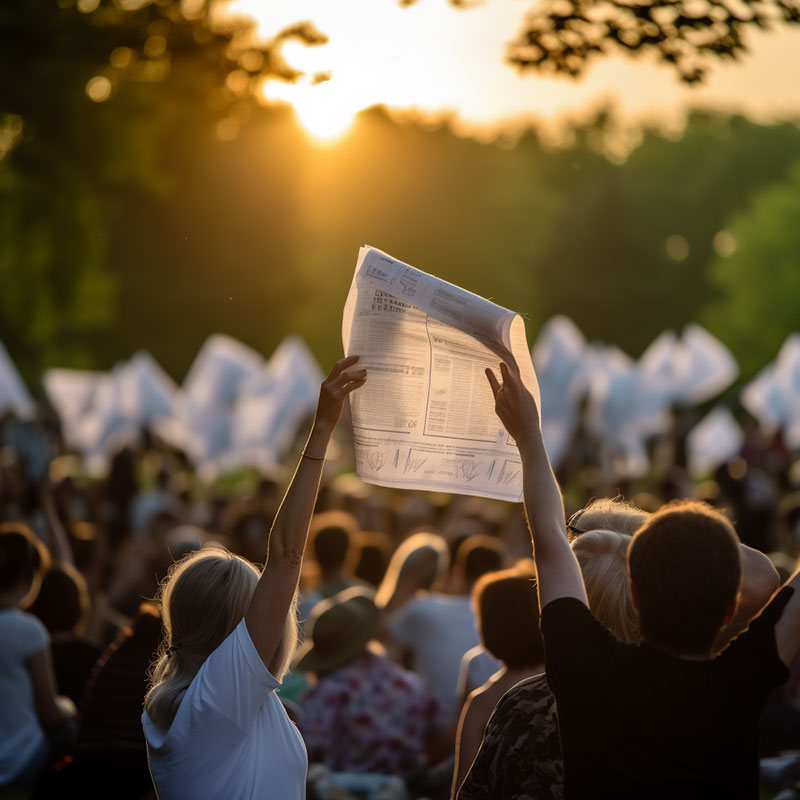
425,419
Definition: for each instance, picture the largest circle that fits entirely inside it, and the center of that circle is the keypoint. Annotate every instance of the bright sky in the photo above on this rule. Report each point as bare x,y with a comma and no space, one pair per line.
434,58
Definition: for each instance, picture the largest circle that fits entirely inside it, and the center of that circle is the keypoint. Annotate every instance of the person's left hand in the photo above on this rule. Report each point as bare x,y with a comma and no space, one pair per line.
513,403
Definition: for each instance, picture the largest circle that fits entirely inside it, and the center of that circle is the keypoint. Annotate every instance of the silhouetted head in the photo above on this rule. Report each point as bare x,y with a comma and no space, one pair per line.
63,600
331,533
507,611
685,569
23,561
420,563
477,555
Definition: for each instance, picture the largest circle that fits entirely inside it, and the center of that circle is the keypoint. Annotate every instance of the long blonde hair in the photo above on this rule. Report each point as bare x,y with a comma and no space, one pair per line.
422,559
202,599
602,556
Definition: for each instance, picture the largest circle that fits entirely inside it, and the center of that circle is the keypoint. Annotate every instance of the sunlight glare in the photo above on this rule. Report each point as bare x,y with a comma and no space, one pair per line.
325,111
324,120
434,58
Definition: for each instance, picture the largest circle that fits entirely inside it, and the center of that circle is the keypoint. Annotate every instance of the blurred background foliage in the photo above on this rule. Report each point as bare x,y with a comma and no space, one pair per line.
147,200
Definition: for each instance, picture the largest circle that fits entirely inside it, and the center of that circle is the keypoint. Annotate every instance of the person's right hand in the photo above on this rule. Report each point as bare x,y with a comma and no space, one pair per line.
339,383
514,404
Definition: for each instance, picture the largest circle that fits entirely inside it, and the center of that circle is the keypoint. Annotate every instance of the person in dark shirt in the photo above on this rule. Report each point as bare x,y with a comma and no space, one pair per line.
63,606
520,755
668,717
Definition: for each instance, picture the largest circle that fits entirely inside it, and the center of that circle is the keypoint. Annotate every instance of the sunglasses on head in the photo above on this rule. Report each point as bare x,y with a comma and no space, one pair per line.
572,522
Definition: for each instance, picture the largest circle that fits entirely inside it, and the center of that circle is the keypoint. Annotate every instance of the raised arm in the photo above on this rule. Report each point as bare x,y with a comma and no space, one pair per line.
272,598
557,569
759,582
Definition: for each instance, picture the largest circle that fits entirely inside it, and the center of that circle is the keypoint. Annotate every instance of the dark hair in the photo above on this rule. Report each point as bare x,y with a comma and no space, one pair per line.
508,617
685,565
478,555
22,555
63,601
372,559
331,532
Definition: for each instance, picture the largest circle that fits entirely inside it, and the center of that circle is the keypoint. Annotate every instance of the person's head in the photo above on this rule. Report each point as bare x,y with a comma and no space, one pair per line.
420,563
163,478
63,600
339,631
507,612
202,599
477,555
373,553
330,535
602,556
607,514
685,569
23,561
249,534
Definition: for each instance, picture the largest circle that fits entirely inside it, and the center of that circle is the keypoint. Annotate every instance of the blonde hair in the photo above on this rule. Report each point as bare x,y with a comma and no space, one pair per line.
602,556
607,514
202,599
425,553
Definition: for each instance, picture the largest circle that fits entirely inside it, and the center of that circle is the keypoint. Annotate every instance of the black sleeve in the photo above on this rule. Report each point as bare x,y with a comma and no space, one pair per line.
573,640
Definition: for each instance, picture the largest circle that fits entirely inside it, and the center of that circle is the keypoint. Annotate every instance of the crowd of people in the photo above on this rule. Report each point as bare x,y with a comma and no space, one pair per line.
336,640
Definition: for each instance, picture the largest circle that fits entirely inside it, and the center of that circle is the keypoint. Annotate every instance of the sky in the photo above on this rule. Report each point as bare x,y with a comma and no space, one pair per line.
439,60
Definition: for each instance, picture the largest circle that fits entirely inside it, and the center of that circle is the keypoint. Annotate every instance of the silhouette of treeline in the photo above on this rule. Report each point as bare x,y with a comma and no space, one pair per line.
129,224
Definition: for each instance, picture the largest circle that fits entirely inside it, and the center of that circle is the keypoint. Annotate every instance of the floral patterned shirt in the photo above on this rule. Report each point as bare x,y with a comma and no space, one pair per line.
371,716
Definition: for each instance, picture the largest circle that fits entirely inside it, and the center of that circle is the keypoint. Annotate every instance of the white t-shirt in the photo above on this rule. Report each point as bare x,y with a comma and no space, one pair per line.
21,736
231,736
439,629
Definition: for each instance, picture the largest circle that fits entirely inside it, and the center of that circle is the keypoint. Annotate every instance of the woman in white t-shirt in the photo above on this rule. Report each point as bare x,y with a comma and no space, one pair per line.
213,724
31,714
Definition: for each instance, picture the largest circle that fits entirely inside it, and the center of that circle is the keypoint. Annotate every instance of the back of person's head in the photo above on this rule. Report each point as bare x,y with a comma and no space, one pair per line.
478,555
84,541
685,567
421,560
23,558
508,616
202,599
63,600
331,533
607,514
602,556
373,553
249,534
163,478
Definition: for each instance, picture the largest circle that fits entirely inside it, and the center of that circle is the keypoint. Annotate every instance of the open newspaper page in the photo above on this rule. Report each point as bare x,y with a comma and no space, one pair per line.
425,419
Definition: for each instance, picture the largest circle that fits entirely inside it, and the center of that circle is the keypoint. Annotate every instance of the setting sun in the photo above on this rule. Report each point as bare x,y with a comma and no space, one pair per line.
324,111
433,58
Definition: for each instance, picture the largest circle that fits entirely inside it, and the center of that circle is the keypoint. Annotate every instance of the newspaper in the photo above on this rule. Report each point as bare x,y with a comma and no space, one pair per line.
425,419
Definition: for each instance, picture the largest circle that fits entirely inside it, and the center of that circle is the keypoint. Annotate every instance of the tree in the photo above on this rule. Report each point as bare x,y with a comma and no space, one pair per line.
87,91
564,36
759,281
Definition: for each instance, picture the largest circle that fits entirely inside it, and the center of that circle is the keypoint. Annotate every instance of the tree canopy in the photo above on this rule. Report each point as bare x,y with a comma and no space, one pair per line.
564,36
147,199
757,276
88,91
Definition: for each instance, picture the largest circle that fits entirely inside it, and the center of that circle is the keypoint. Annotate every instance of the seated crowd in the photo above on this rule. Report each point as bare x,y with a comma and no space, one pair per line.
161,639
